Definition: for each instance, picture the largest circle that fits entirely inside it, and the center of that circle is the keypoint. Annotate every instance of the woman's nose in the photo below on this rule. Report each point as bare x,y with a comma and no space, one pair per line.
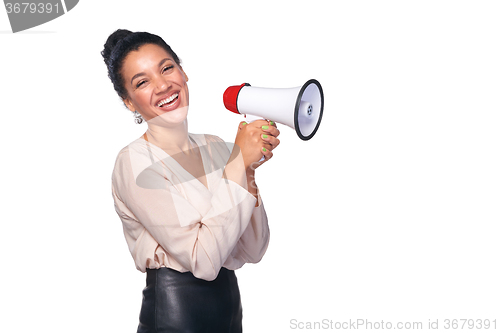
161,84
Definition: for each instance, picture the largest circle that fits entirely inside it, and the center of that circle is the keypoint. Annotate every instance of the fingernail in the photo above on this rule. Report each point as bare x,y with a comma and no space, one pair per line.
271,122
265,127
264,149
244,123
265,136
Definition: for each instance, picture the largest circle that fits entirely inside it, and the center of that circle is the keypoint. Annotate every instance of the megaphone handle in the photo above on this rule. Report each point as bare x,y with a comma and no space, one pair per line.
250,118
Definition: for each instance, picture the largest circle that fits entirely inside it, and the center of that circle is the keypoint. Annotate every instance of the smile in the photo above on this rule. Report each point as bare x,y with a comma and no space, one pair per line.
167,100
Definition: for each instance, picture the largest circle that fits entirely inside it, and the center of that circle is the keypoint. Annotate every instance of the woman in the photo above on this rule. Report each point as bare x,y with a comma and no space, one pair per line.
189,205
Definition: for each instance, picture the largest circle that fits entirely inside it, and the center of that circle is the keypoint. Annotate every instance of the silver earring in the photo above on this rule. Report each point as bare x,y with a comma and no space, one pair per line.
138,118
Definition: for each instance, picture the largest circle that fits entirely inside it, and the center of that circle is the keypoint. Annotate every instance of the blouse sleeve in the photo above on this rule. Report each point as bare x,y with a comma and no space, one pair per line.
199,241
254,242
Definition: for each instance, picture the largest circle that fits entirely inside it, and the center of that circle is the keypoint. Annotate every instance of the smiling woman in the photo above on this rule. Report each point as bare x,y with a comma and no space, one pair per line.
190,208
157,83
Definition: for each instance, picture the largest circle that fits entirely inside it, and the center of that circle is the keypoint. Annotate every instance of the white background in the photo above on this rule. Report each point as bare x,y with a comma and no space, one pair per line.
389,213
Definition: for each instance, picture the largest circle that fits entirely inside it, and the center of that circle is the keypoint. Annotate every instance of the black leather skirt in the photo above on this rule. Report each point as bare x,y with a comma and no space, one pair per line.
180,302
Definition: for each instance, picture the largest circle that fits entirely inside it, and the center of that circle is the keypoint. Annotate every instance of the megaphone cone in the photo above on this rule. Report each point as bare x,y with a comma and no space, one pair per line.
300,108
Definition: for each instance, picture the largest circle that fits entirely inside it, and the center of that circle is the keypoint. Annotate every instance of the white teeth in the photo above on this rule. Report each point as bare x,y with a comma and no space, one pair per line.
168,100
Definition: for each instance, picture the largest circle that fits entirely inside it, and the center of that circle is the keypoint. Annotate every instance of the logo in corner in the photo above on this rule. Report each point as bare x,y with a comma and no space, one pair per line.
26,14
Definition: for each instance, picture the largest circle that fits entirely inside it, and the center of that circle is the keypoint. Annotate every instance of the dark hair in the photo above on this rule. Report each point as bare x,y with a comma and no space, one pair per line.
117,47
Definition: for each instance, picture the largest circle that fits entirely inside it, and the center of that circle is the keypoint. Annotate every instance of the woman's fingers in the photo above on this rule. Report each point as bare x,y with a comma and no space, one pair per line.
271,130
242,123
267,153
272,141
268,135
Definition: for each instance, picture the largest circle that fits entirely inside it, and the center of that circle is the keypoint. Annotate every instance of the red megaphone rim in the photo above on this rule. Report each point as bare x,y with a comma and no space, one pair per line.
231,97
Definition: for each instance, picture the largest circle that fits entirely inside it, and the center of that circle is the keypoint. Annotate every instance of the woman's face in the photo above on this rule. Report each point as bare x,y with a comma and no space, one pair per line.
155,84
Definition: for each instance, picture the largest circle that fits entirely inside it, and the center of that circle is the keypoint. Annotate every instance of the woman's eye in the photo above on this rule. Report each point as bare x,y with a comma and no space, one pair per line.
139,84
167,68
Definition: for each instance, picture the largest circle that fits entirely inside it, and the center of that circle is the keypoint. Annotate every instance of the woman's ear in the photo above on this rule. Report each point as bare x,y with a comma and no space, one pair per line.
184,73
129,104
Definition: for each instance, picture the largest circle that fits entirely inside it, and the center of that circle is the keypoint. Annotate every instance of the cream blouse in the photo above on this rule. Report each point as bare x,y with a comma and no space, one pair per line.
170,219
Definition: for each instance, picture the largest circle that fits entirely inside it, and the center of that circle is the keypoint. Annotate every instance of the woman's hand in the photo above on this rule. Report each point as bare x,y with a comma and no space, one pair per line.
255,140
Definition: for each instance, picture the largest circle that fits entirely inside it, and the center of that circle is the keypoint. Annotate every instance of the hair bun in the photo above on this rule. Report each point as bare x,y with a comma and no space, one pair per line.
111,42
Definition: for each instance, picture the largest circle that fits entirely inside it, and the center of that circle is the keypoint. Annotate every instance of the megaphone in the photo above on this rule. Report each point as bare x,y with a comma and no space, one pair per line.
300,108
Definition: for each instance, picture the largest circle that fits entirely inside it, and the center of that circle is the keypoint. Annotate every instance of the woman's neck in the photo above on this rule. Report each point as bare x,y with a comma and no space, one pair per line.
172,139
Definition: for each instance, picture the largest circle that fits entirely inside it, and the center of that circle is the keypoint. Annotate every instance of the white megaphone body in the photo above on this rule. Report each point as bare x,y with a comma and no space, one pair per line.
300,108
